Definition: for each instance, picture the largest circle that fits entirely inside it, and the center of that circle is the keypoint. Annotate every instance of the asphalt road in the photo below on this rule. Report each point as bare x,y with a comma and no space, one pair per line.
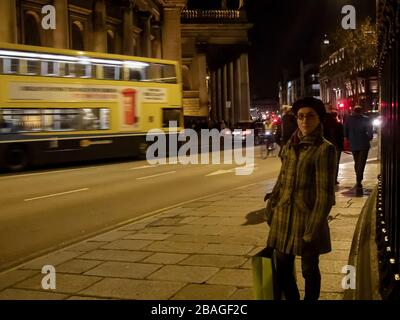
48,209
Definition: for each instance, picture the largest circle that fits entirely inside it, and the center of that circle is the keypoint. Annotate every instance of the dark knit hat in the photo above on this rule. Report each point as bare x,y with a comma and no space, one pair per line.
310,102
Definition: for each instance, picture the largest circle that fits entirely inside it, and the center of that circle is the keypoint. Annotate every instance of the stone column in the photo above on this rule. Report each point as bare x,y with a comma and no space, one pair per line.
136,34
213,95
244,87
199,80
156,48
100,32
225,111
8,21
127,30
171,30
144,18
61,34
219,95
237,90
231,95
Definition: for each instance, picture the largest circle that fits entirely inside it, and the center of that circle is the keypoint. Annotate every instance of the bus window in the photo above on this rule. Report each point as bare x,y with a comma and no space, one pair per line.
47,120
104,119
75,119
164,73
67,70
10,65
68,119
23,120
50,68
134,75
29,67
111,72
169,73
83,70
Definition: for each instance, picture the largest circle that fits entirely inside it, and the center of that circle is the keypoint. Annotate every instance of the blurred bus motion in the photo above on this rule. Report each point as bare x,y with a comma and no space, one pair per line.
63,105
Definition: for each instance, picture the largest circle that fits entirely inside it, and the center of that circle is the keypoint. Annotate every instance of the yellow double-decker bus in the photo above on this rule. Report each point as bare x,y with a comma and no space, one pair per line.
64,105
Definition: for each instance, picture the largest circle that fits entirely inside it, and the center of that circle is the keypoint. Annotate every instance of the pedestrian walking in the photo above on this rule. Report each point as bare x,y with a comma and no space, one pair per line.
288,126
358,130
300,202
333,132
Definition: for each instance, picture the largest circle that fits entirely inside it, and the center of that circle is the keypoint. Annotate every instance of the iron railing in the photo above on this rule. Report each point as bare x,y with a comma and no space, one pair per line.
213,16
388,204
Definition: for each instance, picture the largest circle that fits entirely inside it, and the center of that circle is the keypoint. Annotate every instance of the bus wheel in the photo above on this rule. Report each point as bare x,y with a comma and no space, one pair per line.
16,158
143,150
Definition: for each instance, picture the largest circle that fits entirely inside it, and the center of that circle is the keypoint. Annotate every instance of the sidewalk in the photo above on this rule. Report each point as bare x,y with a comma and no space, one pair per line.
200,250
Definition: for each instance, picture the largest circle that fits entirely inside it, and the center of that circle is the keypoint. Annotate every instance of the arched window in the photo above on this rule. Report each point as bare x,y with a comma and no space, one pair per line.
110,41
31,29
77,36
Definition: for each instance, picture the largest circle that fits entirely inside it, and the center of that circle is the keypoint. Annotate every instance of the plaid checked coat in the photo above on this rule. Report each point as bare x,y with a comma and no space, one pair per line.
303,195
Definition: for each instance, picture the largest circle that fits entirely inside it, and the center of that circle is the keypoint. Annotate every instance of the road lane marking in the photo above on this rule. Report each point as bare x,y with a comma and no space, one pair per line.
254,166
57,194
156,175
220,172
38,173
144,167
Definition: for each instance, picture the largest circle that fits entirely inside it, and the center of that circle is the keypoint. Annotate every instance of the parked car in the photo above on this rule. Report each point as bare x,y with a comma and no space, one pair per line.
246,127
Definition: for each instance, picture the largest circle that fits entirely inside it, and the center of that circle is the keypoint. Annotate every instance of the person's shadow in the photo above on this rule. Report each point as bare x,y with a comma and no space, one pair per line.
255,217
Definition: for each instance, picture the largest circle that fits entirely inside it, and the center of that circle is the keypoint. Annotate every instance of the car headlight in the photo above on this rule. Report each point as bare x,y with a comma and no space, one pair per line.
376,123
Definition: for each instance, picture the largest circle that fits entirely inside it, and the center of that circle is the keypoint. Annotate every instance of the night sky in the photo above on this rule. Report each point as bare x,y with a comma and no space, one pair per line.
286,31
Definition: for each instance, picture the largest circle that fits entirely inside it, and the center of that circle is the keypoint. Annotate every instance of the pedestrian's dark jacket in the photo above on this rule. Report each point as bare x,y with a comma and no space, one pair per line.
303,195
289,125
333,131
358,129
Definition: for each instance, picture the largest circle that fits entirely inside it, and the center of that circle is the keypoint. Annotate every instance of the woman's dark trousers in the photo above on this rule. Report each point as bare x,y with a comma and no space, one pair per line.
310,271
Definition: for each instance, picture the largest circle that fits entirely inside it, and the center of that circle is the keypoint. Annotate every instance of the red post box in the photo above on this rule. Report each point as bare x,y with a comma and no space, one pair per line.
129,105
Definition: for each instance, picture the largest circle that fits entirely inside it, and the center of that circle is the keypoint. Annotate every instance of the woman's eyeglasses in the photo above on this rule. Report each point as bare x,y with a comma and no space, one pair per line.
302,116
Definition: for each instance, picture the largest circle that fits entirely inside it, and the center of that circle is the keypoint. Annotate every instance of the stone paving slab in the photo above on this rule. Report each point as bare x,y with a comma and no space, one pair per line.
123,270
191,274
234,277
9,278
53,259
204,292
243,294
65,283
133,289
87,246
77,266
176,247
111,236
18,294
127,244
232,249
166,258
166,222
197,230
198,238
116,255
216,260
148,236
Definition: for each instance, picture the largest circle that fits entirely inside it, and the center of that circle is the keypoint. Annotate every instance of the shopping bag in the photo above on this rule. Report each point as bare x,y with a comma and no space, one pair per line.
265,284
